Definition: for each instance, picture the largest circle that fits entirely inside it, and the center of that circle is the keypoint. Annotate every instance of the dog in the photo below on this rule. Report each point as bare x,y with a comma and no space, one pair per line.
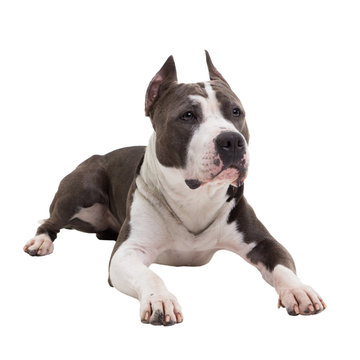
176,201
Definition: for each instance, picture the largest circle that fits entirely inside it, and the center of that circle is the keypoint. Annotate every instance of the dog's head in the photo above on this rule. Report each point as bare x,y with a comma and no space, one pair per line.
200,128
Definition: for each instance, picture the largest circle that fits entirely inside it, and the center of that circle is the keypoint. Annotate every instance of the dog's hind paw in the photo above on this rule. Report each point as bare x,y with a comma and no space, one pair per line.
40,245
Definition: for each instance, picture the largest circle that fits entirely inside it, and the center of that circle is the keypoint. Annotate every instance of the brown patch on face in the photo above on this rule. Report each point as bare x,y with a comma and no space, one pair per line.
173,133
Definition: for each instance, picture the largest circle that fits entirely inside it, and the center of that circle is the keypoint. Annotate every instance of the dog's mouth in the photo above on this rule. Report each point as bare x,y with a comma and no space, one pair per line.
232,175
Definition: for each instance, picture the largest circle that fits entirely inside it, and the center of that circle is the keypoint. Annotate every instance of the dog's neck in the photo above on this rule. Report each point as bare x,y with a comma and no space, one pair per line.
195,209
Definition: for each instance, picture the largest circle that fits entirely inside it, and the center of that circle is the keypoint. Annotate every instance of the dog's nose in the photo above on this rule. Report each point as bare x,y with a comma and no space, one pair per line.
230,147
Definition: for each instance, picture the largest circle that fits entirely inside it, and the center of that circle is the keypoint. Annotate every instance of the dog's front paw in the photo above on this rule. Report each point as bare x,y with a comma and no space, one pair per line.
40,245
301,300
160,309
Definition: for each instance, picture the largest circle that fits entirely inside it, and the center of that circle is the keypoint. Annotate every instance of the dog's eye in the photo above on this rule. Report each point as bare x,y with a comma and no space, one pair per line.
236,112
188,116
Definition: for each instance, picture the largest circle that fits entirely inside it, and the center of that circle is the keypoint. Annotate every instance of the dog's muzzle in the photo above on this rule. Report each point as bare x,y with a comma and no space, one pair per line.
230,162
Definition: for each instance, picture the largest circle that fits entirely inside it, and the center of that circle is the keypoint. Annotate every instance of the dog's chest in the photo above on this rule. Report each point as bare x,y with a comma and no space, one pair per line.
185,248
165,227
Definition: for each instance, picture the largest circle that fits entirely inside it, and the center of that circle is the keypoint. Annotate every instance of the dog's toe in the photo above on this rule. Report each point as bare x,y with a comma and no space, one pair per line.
157,318
32,252
160,310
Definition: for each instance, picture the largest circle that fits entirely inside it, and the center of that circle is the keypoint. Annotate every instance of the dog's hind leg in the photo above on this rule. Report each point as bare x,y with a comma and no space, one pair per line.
80,203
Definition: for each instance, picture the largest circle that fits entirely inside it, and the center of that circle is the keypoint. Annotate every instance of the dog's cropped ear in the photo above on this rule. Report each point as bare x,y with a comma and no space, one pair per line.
165,76
213,71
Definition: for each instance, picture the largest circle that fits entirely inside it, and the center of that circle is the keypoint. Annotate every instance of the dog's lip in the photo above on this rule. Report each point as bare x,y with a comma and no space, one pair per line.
226,168
195,183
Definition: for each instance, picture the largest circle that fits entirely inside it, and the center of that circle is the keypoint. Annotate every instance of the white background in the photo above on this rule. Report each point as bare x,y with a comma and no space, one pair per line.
72,80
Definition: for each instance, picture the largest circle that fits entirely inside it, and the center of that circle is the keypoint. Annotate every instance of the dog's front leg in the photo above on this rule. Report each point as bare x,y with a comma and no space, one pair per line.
130,274
277,268
253,242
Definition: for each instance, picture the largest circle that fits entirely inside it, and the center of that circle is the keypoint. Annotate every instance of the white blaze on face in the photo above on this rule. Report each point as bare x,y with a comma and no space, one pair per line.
203,162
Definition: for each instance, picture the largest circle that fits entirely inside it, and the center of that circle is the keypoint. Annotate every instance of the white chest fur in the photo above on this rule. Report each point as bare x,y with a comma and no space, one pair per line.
156,225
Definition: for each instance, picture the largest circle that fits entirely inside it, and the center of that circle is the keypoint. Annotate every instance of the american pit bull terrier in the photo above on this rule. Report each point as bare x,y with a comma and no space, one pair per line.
176,201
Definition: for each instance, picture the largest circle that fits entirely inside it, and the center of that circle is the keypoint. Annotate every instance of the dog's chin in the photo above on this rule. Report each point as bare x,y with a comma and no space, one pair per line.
231,176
